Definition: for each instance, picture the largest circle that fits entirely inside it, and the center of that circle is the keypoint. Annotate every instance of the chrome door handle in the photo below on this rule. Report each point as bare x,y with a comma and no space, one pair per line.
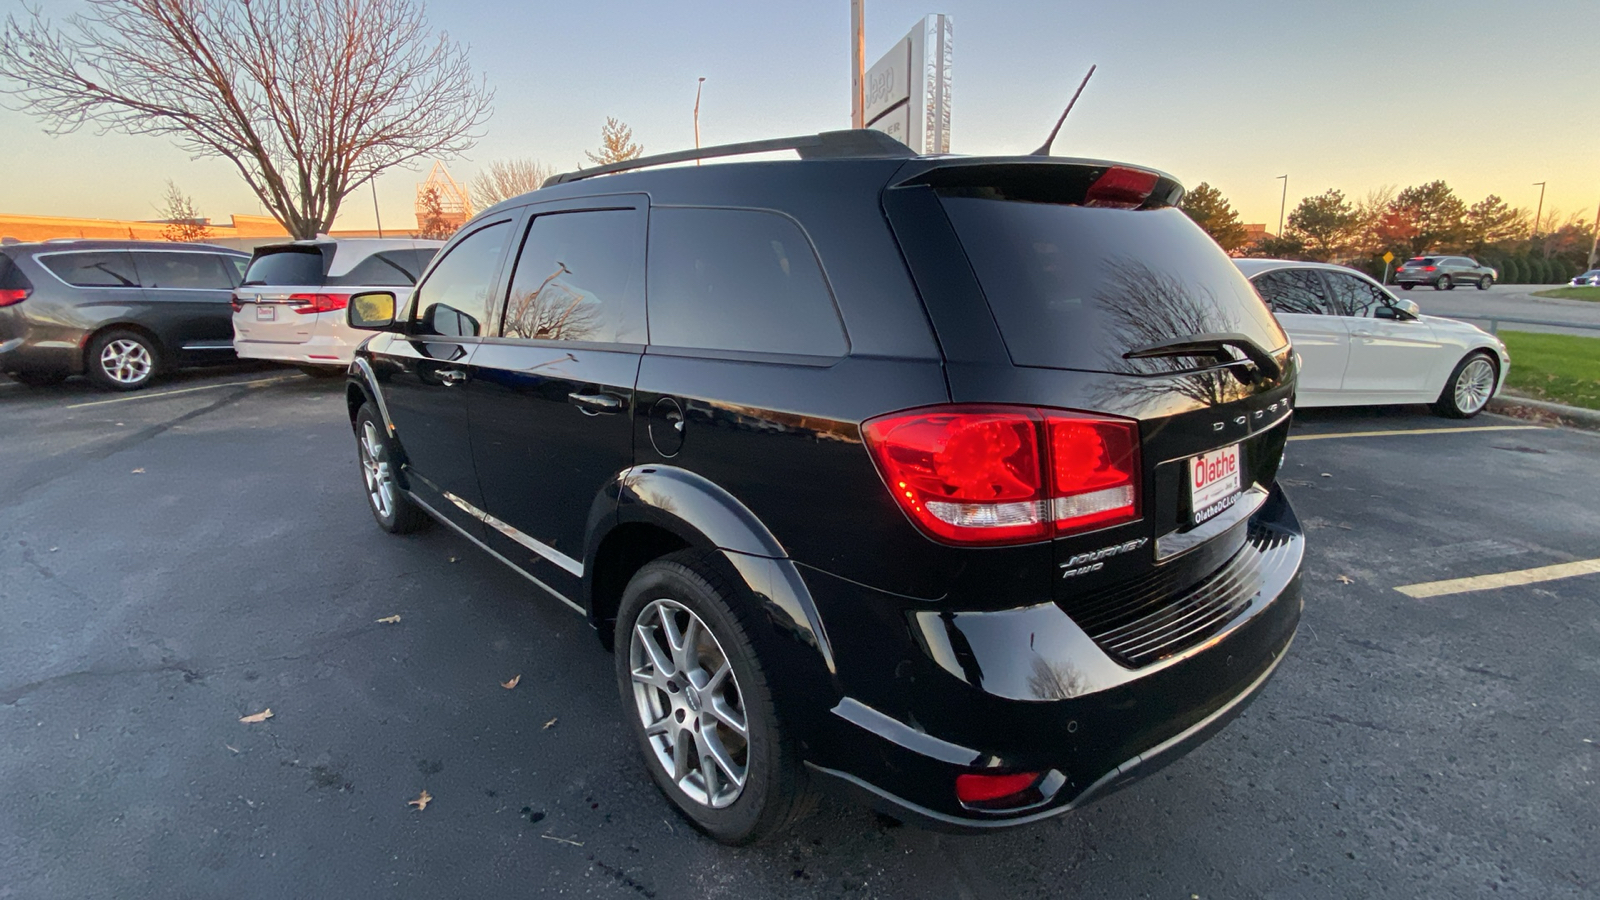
595,404
452,376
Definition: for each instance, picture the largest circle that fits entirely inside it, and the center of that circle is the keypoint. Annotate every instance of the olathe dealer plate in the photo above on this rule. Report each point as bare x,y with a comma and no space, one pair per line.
1213,482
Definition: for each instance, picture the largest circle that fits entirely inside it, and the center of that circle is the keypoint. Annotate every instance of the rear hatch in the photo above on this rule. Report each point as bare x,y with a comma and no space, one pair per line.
1105,299
1417,265
271,306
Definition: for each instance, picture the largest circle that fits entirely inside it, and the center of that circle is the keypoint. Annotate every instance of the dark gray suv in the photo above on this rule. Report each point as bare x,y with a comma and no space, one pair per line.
117,311
1444,273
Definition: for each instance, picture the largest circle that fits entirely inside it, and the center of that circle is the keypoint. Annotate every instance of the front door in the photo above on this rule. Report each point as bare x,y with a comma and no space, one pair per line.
1390,358
552,400
424,372
1300,300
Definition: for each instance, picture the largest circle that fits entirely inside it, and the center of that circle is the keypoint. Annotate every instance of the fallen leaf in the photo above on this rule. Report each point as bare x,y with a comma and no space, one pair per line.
548,724
231,747
1346,579
508,685
453,559
139,471
1327,474
422,801
390,620
262,716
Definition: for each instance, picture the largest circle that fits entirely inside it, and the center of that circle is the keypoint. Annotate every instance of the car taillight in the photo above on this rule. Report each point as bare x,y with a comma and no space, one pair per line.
1120,187
319,303
1429,268
985,789
236,303
988,475
13,296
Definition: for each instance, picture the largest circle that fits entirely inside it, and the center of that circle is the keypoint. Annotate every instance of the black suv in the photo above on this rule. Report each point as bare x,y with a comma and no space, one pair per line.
117,311
949,481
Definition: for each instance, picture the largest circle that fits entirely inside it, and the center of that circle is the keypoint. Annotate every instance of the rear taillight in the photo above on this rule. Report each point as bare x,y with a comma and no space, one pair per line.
1429,268
13,296
1007,475
236,303
318,303
1120,187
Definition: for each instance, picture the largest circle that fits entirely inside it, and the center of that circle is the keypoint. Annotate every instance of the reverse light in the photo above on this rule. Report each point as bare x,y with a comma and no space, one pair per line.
988,475
319,303
1120,187
13,296
984,789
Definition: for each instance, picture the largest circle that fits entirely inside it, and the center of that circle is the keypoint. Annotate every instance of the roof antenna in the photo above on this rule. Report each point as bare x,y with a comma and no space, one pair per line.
1045,150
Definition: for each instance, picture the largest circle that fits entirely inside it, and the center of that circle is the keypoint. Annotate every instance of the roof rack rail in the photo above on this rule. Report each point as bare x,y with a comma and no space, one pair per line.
859,143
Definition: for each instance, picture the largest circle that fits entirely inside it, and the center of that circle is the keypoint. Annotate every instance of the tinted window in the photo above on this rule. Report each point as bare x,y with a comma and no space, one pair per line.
192,271
1420,261
286,266
111,268
11,277
1356,296
580,277
733,279
1295,291
385,268
1076,287
454,301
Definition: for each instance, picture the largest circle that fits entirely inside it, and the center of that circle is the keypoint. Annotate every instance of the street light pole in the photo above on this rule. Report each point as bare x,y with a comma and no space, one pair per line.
1540,211
1283,203
1594,248
697,88
858,64
375,213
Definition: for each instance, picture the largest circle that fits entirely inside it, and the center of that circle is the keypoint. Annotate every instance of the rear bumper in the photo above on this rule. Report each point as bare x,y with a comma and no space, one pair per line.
1111,725
26,348
319,350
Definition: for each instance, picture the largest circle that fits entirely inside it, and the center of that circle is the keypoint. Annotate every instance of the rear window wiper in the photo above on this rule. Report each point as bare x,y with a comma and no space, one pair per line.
1215,346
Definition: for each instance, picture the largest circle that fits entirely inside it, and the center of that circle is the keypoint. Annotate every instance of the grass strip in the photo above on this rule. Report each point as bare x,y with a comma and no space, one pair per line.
1571,293
1560,368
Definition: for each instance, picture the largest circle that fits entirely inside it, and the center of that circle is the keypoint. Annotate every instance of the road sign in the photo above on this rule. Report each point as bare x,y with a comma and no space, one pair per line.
908,88
1388,256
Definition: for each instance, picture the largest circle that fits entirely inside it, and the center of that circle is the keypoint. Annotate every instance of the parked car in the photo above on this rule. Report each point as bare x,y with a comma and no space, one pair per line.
120,312
1444,273
290,307
980,543
1360,345
1590,278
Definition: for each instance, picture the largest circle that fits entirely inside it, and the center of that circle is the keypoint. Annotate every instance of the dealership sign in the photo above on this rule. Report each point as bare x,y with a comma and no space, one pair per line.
908,89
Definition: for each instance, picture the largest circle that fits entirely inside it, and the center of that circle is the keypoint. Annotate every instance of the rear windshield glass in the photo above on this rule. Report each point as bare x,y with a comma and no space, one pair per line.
1420,261
1075,287
297,266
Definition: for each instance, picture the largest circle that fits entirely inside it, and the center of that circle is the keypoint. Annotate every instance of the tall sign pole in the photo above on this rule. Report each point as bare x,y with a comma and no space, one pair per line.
1540,212
858,64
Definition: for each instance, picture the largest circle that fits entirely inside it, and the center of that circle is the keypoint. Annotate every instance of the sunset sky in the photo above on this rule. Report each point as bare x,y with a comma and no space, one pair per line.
1490,96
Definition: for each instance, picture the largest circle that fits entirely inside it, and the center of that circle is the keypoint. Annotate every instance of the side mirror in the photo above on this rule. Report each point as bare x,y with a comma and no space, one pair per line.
447,321
1409,307
371,311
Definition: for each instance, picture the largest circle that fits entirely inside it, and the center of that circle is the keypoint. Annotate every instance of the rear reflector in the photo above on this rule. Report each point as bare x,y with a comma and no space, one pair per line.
1120,187
13,296
988,475
319,303
986,789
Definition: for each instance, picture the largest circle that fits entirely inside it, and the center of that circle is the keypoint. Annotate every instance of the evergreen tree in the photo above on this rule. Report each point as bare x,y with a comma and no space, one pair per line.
1212,212
616,144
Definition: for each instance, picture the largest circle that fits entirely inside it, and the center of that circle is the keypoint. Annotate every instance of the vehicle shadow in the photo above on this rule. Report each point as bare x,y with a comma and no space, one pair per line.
80,387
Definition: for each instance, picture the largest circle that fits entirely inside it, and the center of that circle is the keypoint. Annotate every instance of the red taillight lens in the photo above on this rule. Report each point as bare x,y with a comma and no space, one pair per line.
1429,268
975,788
13,296
319,303
1121,188
1007,475
236,303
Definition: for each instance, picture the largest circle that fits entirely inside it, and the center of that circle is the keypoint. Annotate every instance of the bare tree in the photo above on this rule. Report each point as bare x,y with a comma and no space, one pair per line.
432,223
506,178
182,221
616,144
309,99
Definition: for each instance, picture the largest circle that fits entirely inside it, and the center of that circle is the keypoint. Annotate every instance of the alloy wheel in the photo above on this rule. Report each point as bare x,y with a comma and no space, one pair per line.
688,699
1474,385
375,470
126,361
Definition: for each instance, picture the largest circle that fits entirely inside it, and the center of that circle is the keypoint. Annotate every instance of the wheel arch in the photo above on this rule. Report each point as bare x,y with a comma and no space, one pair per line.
163,355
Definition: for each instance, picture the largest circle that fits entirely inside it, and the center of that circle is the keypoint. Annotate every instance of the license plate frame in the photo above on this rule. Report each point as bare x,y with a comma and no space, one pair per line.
266,313
1216,482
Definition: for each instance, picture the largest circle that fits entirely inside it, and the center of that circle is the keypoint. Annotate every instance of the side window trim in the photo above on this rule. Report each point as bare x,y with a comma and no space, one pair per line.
639,203
496,301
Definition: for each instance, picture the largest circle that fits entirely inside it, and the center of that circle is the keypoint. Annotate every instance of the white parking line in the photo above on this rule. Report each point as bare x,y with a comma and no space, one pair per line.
203,387
1356,434
1503,579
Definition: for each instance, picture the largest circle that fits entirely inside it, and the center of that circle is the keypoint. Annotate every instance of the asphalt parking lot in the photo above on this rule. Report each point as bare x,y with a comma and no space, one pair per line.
173,560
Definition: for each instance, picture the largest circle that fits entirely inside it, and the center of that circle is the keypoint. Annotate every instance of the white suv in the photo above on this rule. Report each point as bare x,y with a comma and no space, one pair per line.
290,307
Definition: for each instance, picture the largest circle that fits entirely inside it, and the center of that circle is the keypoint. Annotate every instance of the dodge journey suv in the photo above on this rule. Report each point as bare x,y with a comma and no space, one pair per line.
949,482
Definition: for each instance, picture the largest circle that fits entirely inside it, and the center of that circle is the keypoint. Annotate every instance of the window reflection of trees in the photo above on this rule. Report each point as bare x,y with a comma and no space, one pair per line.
554,311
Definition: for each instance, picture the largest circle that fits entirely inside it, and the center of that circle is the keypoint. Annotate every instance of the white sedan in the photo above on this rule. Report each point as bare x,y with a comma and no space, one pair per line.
1360,345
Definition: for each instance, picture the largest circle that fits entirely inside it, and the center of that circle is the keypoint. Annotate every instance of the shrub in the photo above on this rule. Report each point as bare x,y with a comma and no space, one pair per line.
1511,270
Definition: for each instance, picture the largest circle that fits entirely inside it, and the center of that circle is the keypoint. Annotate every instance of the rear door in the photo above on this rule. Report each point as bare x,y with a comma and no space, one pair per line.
265,312
1321,335
108,282
189,292
1389,357
551,397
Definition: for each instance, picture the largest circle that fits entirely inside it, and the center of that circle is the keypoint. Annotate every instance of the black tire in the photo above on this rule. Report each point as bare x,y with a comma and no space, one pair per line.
1444,284
776,791
1405,285
123,360
394,513
1485,282
323,371
1449,403
38,379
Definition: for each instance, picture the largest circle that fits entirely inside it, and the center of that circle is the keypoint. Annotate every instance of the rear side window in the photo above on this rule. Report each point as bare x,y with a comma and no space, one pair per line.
108,268
385,268
11,277
189,271
1295,291
286,266
739,280
580,277
1076,287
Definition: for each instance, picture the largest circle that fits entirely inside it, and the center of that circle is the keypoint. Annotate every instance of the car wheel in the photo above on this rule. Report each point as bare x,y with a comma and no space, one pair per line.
1484,283
1443,284
323,371
38,379
123,360
700,706
1405,286
393,510
1469,388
